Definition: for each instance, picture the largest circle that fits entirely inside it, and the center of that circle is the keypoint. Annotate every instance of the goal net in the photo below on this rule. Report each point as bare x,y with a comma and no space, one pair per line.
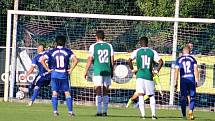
123,33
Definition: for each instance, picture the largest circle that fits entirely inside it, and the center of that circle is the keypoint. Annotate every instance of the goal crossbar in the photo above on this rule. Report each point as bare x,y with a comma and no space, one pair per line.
106,16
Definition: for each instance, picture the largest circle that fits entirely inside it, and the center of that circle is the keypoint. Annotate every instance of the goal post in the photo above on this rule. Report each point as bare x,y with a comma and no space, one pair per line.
172,36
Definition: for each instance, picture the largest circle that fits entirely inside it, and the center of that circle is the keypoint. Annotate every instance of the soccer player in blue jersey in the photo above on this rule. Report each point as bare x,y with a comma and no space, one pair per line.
189,79
61,69
42,79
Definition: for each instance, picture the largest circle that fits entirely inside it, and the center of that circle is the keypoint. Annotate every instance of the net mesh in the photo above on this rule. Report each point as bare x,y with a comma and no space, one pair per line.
80,32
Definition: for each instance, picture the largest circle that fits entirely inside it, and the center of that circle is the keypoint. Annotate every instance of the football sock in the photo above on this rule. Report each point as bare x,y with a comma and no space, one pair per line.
99,104
152,105
35,93
105,103
192,103
54,103
183,107
69,103
145,97
141,106
130,101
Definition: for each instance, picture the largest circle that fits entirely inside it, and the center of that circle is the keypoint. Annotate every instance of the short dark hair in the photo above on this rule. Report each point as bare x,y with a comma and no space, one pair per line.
41,44
144,41
100,34
60,40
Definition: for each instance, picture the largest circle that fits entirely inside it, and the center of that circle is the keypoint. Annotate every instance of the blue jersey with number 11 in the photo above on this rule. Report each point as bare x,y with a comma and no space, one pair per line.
186,65
60,60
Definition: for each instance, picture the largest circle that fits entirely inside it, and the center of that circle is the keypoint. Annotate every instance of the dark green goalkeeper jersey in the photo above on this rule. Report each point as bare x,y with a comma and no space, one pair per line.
145,59
101,53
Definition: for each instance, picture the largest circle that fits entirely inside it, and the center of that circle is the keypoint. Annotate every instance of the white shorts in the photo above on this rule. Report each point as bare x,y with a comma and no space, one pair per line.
145,86
102,80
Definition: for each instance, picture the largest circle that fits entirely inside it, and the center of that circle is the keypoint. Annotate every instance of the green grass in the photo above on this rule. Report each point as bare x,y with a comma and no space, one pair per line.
43,112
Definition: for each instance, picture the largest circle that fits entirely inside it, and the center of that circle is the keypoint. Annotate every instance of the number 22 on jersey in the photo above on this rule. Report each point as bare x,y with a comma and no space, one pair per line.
103,56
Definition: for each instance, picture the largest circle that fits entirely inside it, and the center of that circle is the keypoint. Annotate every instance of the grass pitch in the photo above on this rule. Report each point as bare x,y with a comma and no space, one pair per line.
43,112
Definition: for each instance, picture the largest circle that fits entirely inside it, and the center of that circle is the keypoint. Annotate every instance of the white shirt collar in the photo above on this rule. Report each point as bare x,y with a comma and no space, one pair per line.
186,54
100,41
59,47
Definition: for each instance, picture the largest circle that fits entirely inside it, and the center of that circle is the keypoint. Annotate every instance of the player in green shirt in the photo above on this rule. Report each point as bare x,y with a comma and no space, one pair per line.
145,59
101,55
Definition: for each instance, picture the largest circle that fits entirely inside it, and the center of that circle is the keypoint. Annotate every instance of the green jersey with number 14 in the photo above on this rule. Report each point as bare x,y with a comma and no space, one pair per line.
145,59
101,53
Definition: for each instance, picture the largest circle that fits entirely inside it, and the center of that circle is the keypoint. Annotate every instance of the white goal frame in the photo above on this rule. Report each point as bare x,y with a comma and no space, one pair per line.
11,13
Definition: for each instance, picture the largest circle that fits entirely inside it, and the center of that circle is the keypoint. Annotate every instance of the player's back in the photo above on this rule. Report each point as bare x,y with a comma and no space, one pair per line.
186,65
102,53
60,60
37,61
144,59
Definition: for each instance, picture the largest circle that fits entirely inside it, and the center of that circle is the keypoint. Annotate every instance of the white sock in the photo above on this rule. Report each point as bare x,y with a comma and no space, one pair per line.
152,105
105,103
141,106
99,104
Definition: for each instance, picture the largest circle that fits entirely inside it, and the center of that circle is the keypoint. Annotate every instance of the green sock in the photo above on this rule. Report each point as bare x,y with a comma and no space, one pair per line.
130,101
145,97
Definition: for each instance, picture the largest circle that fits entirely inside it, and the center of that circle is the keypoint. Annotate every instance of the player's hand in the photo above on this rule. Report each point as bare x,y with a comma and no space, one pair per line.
86,75
176,85
134,71
198,84
154,72
69,71
49,70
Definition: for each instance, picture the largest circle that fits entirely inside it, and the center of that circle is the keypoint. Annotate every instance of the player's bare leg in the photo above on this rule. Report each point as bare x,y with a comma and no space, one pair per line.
132,99
98,101
69,103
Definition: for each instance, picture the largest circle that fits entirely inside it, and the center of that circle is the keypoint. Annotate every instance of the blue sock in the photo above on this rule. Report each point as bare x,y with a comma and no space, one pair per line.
192,103
34,96
183,106
54,103
69,102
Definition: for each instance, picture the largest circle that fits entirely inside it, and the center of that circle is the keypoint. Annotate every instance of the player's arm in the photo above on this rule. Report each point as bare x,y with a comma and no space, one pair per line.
89,62
196,74
112,60
43,62
159,61
130,64
176,77
74,62
160,64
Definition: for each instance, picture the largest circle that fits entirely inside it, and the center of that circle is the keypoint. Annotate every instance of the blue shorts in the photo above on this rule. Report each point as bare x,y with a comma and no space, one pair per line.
188,87
60,84
41,81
